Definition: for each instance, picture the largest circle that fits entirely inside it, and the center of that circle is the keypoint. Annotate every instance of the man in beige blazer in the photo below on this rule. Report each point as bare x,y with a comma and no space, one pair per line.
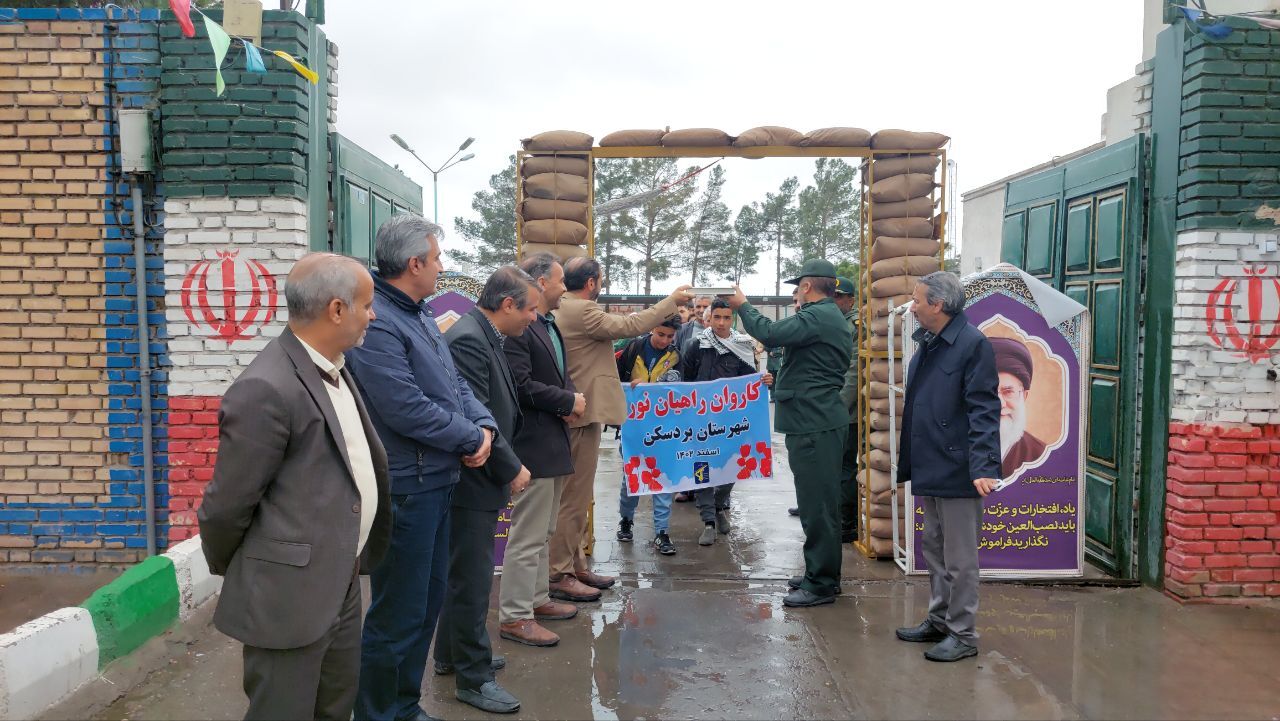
588,332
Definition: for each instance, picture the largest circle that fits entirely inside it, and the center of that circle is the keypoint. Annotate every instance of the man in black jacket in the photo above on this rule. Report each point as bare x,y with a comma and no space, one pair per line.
950,451
715,352
506,306
548,400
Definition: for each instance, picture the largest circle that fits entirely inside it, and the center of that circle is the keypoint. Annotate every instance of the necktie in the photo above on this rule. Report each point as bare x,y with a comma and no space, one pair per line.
554,332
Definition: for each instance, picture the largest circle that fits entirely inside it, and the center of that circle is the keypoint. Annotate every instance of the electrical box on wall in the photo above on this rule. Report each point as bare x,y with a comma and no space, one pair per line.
135,141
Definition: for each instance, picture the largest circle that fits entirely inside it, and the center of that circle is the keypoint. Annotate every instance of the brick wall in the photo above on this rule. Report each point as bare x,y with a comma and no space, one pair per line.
1222,511
252,141
65,290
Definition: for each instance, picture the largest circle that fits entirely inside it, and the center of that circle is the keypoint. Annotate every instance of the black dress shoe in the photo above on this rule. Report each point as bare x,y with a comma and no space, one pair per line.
496,663
794,582
490,697
925,632
801,598
793,511
951,649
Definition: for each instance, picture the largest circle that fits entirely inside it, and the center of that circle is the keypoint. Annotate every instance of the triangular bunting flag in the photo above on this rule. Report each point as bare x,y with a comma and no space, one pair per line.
303,70
252,58
182,9
220,41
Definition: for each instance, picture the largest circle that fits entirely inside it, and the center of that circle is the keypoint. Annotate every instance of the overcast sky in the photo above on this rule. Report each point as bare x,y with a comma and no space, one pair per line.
1013,82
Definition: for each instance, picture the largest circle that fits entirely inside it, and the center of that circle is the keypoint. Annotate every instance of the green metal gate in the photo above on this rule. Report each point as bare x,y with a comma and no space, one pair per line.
1079,227
366,191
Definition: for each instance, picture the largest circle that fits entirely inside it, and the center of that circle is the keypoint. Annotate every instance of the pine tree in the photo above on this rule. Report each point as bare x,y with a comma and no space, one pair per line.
709,229
776,217
660,221
829,215
613,180
492,238
740,252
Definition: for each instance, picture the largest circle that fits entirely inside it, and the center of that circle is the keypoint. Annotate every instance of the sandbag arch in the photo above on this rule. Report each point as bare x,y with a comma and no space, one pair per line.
918,160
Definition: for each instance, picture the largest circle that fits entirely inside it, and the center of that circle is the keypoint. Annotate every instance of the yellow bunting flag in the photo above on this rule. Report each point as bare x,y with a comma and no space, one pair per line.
303,70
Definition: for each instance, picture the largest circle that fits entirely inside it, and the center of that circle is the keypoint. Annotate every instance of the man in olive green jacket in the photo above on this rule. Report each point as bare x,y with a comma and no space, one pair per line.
846,299
810,412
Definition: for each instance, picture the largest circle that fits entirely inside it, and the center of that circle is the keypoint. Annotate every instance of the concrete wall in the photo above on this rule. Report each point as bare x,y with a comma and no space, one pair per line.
983,220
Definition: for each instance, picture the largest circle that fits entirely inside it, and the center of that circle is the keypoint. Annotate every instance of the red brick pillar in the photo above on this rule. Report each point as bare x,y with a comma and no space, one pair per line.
193,448
1223,511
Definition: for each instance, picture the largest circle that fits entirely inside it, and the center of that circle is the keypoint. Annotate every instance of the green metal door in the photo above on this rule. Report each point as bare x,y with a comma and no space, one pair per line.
366,193
1079,228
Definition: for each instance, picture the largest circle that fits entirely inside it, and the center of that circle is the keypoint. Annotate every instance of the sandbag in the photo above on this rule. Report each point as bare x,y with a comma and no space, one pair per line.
567,164
556,186
881,405
880,439
879,370
880,326
914,208
877,390
889,167
875,481
881,343
883,528
558,232
768,135
538,209
891,286
902,187
882,306
632,138
918,265
880,421
563,251
880,547
878,460
894,139
696,137
885,510
886,247
558,140
885,498
903,227
837,138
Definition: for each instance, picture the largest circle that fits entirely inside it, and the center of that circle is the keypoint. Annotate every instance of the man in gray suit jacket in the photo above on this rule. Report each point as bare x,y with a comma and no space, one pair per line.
298,506
506,306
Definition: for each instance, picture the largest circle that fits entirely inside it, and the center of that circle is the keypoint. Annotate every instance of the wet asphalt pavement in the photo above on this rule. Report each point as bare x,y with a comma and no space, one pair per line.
703,634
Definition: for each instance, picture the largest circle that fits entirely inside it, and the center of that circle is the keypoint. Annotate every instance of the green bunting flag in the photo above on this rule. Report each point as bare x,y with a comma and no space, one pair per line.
220,41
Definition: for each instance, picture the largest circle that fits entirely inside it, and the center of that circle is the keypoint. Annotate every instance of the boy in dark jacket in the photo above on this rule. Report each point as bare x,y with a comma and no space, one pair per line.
651,358
717,351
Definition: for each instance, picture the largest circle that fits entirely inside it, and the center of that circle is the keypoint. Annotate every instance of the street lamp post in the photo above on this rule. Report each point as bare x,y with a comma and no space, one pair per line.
435,174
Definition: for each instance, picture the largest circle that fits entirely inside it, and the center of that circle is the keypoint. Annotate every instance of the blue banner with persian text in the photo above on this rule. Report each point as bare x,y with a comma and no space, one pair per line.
686,436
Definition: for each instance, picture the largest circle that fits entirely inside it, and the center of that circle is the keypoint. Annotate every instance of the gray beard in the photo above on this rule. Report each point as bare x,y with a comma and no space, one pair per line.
1011,431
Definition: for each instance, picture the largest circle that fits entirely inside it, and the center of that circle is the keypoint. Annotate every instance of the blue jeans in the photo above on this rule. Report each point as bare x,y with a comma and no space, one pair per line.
408,590
661,507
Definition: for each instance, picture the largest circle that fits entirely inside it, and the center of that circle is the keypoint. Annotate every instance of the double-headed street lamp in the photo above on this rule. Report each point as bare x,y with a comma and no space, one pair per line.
435,174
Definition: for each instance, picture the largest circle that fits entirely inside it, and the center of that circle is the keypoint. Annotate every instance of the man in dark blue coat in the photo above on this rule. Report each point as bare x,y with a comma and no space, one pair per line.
430,423
950,451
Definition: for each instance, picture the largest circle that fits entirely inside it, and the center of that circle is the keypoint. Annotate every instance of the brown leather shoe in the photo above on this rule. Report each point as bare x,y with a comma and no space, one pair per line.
595,580
528,632
552,611
568,588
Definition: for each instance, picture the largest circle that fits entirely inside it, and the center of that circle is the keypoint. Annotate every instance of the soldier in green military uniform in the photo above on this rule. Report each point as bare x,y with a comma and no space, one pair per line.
846,298
809,411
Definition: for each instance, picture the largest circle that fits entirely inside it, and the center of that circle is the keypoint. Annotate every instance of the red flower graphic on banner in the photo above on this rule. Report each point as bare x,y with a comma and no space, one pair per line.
746,463
1257,329
649,476
766,458
235,320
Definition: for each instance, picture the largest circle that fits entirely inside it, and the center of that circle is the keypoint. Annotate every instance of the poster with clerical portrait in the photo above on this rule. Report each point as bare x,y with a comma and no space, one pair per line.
1033,522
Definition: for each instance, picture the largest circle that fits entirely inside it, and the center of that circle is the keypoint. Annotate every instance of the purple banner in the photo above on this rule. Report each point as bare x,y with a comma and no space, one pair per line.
1033,523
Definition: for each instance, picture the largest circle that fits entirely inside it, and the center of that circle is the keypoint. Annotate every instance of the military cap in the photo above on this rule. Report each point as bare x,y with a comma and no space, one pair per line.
815,268
844,286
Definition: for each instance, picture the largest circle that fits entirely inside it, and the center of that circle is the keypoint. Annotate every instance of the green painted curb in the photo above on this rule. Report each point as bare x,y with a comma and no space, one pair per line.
141,603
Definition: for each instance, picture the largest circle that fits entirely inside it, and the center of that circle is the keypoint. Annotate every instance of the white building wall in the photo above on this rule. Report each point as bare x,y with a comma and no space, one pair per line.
982,221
